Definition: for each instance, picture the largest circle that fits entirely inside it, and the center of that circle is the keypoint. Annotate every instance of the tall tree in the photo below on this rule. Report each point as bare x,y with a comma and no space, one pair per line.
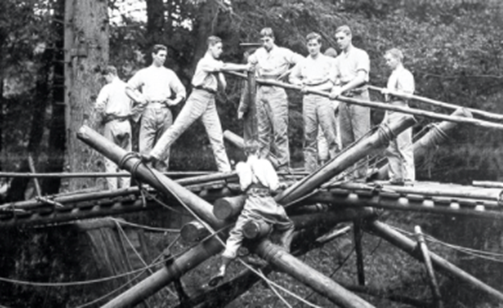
86,46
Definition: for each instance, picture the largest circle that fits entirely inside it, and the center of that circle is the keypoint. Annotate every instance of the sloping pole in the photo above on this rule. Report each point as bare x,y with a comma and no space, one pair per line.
383,106
435,290
442,265
275,255
485,114
434,137
358,150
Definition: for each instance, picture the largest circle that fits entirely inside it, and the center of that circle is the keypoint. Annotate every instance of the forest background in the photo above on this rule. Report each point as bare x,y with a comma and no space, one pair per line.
453,48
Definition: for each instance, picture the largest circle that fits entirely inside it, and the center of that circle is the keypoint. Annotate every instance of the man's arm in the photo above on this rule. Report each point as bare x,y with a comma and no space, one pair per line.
132,87
177,86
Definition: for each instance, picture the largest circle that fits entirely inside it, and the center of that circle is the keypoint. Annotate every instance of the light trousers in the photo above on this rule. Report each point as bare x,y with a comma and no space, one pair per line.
119,132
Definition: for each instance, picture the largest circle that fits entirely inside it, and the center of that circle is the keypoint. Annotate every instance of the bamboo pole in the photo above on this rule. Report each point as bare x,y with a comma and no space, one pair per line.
435,290
442,265
265,249
382,106
486,114
427,189
488,184
350,155
357,235
64,175
416,203
434,137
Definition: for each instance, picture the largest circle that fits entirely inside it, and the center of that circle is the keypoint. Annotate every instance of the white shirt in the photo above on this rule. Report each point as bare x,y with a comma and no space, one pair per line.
156,83
401,80
314,71
273,63
257,171
113,100
206,72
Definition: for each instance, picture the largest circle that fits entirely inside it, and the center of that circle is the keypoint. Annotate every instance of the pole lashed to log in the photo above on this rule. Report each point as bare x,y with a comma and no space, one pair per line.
382,106
442,265
265,249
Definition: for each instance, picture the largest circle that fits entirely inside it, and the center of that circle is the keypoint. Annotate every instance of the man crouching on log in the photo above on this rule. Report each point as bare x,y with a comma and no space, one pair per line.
258,179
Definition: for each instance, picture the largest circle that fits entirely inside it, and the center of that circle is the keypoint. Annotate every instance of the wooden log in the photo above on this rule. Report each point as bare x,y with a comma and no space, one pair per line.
442,265
65,175
323,285
382,106
428,189
265,249
358,234
360,149
193,231
256,229
417,203
485,114
488,184
435,290
228,207
435,137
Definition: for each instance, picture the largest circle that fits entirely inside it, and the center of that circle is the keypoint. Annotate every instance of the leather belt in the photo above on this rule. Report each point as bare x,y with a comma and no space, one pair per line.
205,89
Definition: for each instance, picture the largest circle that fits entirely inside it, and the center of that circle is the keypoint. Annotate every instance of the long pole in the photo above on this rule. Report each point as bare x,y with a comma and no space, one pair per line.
409,246
382,106
344,159
486,114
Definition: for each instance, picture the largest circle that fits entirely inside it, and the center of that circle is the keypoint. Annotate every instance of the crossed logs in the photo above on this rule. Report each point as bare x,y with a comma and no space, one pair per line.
341,206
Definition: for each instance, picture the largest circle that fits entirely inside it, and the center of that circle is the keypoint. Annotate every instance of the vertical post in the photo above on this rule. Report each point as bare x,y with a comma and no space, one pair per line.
358,234
31,164
429,267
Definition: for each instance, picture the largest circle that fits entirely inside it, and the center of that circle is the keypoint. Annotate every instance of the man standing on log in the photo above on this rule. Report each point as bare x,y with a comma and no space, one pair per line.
258,179
352,70
316,72
156,83
400,152
115,107
201,104
272,63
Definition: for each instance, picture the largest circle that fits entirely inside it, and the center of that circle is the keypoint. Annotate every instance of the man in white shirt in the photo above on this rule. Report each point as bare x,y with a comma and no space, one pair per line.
201,104
272,63
115,108
316,72
151,88
352,69
400,152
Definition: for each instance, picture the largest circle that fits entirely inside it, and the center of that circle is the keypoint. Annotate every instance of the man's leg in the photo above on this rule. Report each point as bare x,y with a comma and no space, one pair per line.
124,140
264,126
278,102
310,132
147,130
345,124
360,120
164,121
404,145
211,122
326,117
110,166
192,110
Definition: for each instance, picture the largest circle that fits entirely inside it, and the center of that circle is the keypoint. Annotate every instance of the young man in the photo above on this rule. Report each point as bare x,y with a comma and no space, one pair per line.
316,72
115,108
400,152
258,179
201,104
157,83
352,70
273,62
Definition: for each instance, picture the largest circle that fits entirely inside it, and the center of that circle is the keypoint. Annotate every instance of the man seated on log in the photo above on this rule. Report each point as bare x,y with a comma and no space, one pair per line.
400,152
201,104
115,108
258,179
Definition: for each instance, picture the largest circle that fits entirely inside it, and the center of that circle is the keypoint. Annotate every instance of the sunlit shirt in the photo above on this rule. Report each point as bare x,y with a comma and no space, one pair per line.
312,71
206,74
349,63
113,100
401,80
257,171
156,83
272,64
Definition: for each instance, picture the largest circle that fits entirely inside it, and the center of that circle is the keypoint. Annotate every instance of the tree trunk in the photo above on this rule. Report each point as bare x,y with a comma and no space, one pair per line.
205,26
86,53
155,23
57,137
